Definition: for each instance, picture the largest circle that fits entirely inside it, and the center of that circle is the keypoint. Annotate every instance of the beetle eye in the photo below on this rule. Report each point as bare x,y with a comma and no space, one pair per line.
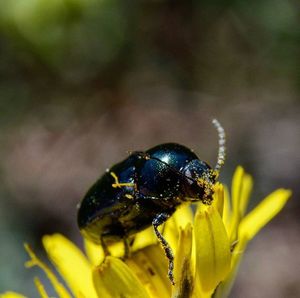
195,170
191,175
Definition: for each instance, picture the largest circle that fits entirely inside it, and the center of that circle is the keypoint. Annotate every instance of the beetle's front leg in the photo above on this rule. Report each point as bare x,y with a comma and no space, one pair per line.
157,221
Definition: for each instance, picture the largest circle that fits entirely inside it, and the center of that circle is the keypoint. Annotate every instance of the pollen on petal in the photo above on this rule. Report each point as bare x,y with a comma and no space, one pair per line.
113,278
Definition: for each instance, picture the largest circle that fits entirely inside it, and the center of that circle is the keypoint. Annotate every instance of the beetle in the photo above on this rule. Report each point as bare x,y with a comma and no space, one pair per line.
145,189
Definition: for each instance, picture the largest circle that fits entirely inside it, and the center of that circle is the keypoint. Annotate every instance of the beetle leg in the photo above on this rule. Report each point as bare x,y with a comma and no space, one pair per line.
131,241
104,246
157,221
127,251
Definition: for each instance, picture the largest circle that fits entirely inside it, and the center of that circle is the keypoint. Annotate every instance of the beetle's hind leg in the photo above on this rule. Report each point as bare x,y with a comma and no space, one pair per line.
157,221
128,243
104,246
127,251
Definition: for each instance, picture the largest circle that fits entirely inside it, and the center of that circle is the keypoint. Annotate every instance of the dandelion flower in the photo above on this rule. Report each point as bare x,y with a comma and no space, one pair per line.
208,249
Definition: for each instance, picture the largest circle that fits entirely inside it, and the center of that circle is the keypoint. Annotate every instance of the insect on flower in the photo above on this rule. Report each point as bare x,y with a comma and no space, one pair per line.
145,189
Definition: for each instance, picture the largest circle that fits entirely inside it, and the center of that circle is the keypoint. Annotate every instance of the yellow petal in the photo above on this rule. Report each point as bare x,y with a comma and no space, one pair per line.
249,227
247,186
150,266
182,217
236,189
224,288
143,239
117,249
242,184
183,269
94,252
34,261
40,287
218,196
11,295
113,278
237,186
226,209
213,255
71,264
263,213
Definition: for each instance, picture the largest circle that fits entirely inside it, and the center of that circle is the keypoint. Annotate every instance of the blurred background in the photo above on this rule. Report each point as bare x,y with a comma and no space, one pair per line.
83,81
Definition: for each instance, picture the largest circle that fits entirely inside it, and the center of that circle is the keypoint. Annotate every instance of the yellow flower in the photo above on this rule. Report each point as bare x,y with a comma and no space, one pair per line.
208,248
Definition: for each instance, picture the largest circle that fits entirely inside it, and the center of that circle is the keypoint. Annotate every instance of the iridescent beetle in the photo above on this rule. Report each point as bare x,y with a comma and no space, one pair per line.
145,189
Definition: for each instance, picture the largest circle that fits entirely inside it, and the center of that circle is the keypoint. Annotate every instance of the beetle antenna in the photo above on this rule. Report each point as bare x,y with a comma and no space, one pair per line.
222,148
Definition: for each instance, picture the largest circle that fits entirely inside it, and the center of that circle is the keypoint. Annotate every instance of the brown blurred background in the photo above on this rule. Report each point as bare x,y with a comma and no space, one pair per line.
82,82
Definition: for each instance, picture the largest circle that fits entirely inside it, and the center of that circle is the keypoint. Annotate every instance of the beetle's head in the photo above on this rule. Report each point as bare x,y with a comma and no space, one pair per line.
200,177
200,180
